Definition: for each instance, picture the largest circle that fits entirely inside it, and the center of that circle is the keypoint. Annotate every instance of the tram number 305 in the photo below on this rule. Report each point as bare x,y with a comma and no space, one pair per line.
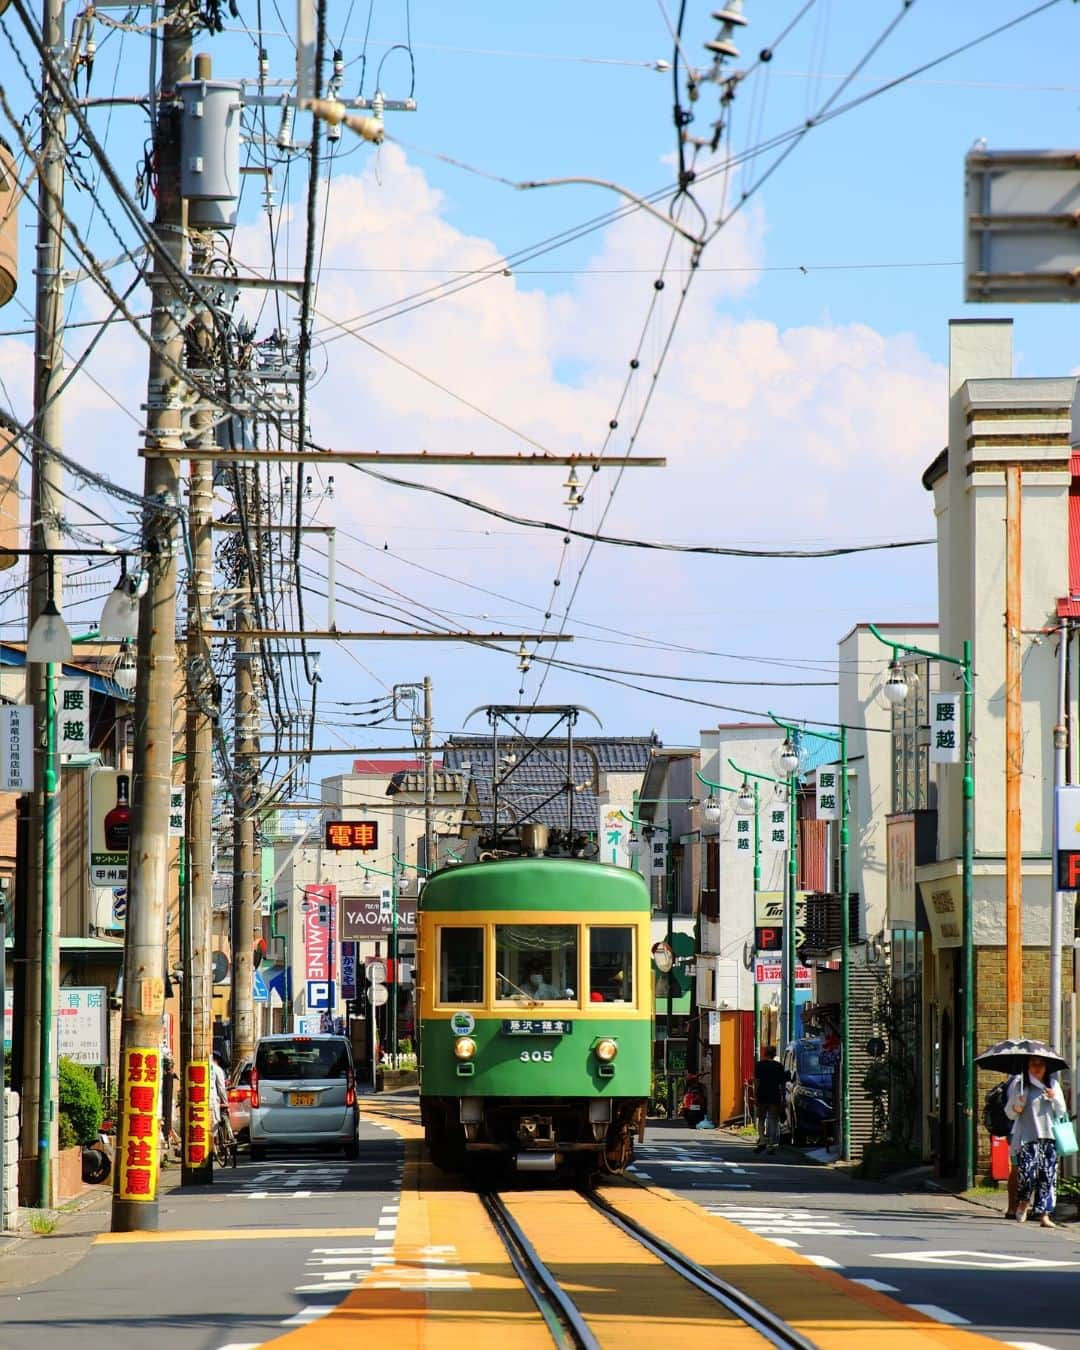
536,1056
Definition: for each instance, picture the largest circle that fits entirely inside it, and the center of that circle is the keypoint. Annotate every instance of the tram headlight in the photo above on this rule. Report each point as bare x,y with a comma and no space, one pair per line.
606,1050
464,1047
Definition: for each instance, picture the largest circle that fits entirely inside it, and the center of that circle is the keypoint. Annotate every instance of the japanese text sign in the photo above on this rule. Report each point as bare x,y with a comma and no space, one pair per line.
176,812
742,835
197,1126
775,829
81,1024
16,749
109,822
73,716
828,792
140,1126
320,944
945,736
352,834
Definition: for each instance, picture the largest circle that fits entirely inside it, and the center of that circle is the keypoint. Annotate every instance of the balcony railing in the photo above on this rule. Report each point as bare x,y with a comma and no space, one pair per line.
821,933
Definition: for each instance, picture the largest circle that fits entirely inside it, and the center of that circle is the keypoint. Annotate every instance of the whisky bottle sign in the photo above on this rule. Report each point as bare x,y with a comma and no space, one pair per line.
110,822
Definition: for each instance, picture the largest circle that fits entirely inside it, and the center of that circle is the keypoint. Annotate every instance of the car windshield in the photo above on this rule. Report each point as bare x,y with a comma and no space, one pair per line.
814,1065
302,1059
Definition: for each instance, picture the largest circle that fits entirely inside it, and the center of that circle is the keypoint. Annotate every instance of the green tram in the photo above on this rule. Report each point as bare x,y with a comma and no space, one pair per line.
536,1014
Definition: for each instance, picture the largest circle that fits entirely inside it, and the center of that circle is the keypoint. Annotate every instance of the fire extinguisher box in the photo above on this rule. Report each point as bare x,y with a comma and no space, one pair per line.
999,1158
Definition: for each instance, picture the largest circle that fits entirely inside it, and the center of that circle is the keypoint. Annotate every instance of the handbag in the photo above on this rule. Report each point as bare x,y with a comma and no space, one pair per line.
1065,1137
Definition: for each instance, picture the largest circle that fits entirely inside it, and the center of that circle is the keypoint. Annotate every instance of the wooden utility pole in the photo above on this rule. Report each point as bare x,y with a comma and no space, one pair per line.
197,989
246,780
40,973
136,1171
1014,758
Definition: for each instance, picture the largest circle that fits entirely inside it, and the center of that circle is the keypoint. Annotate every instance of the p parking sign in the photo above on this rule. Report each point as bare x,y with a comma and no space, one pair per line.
1067,838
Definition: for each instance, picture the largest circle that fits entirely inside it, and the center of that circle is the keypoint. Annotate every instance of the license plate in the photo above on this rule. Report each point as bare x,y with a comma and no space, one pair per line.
302,1099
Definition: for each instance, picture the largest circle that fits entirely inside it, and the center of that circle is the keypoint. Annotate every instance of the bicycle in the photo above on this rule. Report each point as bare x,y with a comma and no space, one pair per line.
224,1142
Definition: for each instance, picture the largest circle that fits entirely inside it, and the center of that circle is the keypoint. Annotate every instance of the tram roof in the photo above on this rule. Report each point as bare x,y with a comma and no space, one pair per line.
529,883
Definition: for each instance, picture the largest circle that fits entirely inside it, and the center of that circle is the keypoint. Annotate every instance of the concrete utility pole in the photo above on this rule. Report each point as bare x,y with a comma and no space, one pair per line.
41,972
197,989
246,776
430,860
1014,759
135,1173
1057,897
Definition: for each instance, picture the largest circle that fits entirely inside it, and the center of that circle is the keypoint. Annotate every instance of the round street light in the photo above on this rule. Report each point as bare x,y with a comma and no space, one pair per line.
711,807
125,671
895,687
633,843
744,801
787,758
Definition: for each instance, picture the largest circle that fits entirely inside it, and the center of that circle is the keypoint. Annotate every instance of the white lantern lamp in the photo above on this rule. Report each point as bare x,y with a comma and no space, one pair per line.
49,640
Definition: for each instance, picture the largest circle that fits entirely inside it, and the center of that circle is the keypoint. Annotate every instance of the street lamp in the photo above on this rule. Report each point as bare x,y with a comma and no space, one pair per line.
125,670
120,616
967,963
746,802
895,687
840,739
633,843
711,807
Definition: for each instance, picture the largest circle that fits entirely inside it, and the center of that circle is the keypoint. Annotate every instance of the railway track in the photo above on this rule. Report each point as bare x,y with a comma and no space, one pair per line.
569,1323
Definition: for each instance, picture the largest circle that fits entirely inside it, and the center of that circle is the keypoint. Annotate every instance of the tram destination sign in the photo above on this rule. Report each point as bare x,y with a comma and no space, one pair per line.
515,1026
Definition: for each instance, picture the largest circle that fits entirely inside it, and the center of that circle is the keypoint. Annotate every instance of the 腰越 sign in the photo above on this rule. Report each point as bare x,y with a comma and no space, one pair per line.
110,815
828,792
774,829
73,716
176,812
16,748
341,835
945,737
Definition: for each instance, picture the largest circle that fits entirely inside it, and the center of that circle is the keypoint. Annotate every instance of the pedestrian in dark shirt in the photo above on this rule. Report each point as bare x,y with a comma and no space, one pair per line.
769,1080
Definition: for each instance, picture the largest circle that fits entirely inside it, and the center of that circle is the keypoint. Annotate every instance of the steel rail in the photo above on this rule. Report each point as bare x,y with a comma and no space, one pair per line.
756,1316
563,1319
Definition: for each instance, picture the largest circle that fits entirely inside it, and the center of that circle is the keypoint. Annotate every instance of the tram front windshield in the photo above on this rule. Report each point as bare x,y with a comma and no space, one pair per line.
536,961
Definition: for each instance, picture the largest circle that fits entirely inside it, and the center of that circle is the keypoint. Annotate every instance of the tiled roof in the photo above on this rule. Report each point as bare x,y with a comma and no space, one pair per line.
378,767
535,789
412,780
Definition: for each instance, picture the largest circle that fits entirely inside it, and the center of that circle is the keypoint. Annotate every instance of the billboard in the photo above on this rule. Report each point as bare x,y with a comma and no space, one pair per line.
319,910
110,818
367,917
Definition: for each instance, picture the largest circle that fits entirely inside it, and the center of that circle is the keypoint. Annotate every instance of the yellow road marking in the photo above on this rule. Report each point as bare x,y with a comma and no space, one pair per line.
229,1235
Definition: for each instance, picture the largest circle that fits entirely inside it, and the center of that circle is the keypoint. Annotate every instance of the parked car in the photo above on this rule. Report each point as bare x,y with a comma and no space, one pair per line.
240,1099
303,1092
809,1111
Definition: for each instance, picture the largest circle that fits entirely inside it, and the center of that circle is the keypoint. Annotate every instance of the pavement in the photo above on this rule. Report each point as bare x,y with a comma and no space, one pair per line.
960,1262
274,1248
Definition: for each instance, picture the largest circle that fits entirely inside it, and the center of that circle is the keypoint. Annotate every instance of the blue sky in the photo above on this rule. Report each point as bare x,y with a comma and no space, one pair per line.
796,408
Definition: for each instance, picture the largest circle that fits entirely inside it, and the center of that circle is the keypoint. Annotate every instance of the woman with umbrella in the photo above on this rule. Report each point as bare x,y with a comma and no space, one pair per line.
1034,1102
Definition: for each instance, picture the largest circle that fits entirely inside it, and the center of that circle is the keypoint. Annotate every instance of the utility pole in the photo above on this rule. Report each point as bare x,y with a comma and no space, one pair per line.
41,973
1057,896
1014,760
430,859
245,775
197,990
134,1203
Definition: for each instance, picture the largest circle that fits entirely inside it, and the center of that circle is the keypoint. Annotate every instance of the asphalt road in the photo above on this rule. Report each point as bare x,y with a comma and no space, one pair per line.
268,1247
275,1245
959,1262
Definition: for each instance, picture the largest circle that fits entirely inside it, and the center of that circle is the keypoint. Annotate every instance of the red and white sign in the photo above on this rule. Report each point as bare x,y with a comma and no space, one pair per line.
320,944
768,972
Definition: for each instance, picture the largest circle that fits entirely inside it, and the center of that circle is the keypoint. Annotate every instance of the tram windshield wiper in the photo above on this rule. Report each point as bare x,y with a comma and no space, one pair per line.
532,1002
